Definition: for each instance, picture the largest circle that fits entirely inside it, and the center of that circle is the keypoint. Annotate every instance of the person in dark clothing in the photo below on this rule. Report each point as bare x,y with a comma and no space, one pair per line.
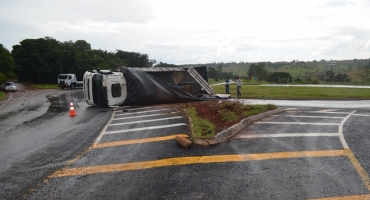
227,85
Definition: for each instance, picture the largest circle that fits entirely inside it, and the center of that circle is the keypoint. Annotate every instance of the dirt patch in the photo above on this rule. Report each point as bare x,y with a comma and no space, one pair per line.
221,113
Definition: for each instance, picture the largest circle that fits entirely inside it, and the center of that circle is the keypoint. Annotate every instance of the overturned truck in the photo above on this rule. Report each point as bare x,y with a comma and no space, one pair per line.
145,86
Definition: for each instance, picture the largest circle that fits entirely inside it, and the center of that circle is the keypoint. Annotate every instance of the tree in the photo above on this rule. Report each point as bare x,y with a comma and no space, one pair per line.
365,75
134,59
330,75
38,60
82,45
258,71
342,78
212,73
278,77
219,68
6,64
162,64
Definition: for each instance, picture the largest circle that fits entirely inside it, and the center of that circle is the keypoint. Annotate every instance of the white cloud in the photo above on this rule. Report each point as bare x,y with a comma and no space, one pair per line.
192,31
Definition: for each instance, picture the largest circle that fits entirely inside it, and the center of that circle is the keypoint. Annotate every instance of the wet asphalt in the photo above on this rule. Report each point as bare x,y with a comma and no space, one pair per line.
38,137
132,154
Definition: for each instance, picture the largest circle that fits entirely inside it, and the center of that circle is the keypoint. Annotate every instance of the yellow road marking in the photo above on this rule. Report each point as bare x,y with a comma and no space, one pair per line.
353,197
193,160
364,176
137,141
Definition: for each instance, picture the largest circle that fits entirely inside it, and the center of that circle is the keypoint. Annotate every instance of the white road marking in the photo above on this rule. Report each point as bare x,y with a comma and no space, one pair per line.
289,135
345,113
307,116
300,123
340,130
143,116
148,111
7,100
327,110
145,128
361,115
128,108
103,131
149,120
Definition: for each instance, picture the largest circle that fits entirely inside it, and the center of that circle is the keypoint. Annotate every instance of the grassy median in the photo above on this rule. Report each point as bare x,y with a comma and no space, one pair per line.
295,92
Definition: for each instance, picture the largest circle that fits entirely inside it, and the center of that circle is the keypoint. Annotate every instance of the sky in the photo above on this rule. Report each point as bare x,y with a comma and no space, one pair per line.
198,31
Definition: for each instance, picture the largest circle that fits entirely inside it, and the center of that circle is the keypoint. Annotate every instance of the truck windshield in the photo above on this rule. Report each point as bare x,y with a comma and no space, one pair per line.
62,77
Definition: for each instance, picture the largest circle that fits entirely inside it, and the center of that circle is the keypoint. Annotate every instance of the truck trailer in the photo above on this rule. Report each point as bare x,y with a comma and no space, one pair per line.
143,86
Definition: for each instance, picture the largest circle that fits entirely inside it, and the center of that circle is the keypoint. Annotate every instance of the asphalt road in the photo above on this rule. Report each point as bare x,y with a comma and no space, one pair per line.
297,154
38,137
301,153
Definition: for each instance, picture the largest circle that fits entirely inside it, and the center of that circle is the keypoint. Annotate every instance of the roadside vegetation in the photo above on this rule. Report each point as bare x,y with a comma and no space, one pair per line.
295,92
2,95
45,86
211,117
356,71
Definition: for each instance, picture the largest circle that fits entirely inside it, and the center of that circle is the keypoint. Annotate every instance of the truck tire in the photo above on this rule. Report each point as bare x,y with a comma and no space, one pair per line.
62,87
72,86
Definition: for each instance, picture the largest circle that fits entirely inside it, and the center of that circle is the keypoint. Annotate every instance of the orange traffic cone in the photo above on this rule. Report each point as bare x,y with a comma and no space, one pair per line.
72,112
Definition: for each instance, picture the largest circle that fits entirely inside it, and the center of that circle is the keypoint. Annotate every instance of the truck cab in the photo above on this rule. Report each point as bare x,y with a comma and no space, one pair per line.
104,88
68,80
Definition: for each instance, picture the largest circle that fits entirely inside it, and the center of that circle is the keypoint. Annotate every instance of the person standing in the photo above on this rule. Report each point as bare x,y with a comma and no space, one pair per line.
238,86
227,85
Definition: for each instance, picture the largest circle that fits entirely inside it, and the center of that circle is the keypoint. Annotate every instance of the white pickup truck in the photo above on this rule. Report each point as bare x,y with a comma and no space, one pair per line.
69,80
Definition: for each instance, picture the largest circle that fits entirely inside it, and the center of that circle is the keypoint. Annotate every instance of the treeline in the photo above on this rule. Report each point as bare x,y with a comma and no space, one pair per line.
356,70
41,60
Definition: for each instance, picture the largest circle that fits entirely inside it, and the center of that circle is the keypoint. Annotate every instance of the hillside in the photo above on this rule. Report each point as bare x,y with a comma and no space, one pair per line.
299,68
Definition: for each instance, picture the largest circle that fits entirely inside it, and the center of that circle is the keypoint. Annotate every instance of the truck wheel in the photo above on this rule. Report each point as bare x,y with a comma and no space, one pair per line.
62,88
72,86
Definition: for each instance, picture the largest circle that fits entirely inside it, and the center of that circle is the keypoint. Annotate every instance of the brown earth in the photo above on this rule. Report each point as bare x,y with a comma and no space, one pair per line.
215,111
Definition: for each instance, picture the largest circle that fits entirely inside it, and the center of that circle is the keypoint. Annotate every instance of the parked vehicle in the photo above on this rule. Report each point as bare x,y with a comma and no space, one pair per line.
143,86
68,80
9,87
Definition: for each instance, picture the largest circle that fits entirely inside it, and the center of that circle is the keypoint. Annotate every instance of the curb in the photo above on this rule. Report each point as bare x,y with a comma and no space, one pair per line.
233,130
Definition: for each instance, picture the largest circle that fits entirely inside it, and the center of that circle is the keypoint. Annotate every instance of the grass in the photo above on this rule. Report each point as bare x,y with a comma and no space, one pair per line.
45,86
295,92
229,113
2,95
257,109
202,127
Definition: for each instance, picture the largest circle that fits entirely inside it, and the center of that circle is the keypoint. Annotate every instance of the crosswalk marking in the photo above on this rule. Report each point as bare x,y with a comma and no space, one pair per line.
145,128
145,116
300,123
289,135
142,112
137,141
307,116
149,120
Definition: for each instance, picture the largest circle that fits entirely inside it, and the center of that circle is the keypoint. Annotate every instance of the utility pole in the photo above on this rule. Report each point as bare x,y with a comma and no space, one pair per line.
331,64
